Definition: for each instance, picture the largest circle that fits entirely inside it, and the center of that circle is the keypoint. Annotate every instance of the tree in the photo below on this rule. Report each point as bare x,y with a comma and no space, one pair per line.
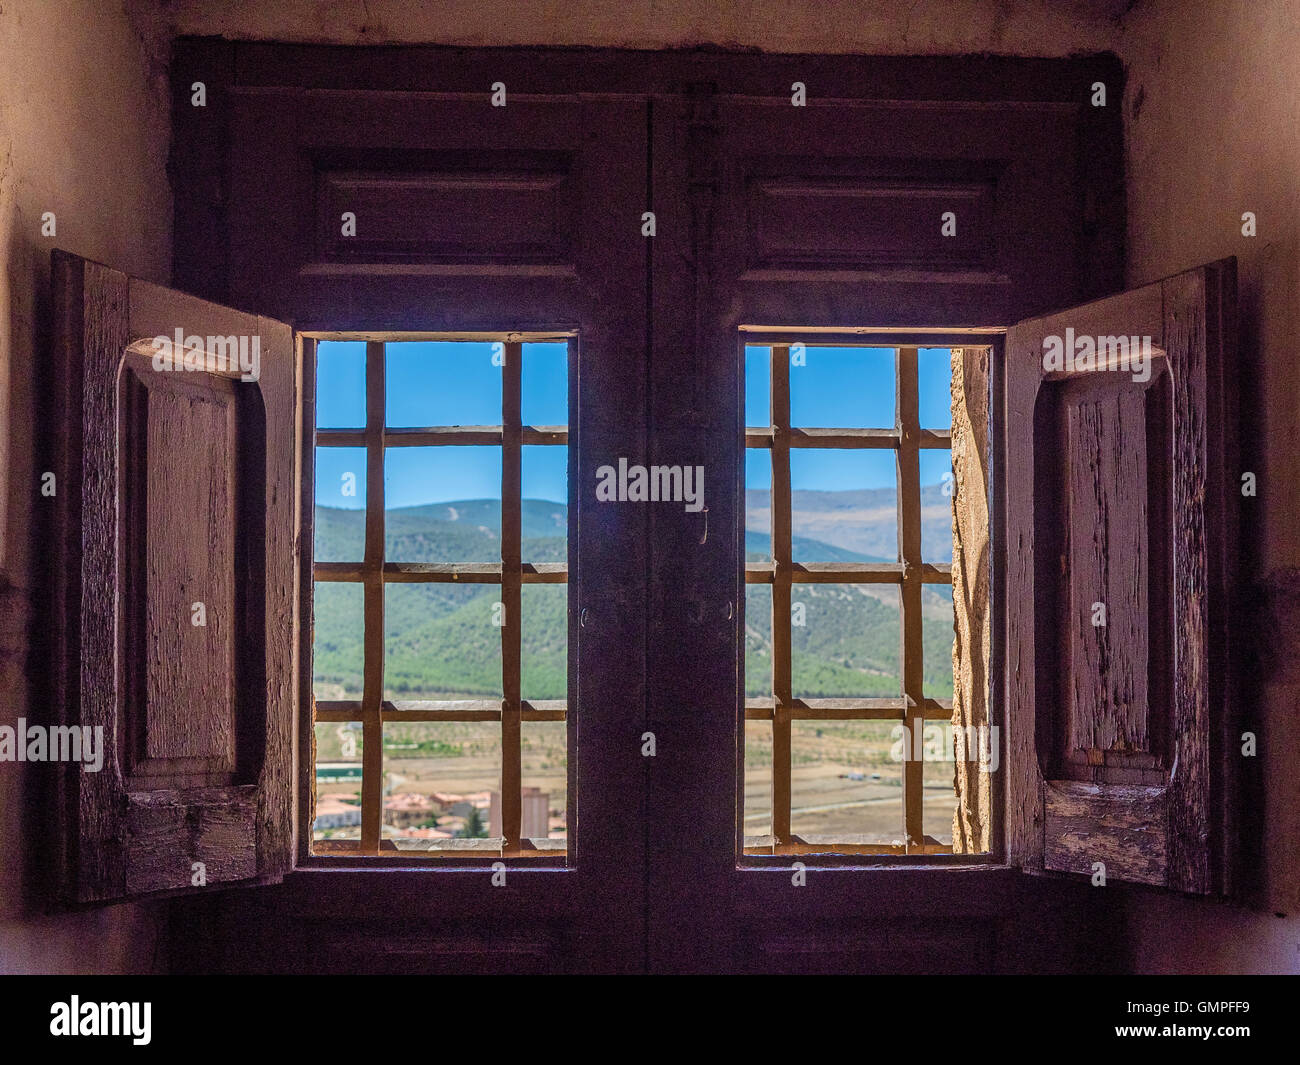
474,827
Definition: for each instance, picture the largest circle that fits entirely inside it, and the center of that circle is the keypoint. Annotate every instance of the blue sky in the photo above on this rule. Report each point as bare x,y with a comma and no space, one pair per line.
458,384
439,384
846,388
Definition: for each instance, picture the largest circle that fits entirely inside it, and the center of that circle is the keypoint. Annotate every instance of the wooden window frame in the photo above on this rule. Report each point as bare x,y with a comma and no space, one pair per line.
912,708
374,573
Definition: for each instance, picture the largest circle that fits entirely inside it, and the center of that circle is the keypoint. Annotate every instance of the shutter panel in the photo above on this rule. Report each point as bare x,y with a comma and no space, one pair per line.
181,486
1121,508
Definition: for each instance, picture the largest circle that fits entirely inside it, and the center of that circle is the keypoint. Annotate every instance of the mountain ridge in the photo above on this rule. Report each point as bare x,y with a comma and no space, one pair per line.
440,639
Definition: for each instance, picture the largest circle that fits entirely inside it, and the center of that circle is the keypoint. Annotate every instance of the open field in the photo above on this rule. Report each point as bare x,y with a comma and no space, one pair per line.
825,801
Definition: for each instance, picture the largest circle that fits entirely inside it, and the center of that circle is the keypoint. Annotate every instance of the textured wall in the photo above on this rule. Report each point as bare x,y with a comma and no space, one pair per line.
83,133
1213,111
1008,27
1213,118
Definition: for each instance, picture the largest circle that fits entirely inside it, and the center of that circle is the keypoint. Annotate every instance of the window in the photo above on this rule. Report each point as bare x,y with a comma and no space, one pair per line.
440,650
849,612
762,213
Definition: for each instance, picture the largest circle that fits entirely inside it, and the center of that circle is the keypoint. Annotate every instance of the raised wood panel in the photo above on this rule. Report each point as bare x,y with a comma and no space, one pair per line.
179,481
963,947
167,834
832,214
1125,827
1103,550
841,223
1106,488
466,216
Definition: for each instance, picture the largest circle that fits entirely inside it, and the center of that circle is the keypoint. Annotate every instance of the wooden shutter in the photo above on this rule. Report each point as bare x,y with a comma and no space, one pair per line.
176,487
1120,495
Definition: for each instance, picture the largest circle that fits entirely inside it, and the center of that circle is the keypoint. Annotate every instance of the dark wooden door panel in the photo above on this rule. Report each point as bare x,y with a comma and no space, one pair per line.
470,217
824,216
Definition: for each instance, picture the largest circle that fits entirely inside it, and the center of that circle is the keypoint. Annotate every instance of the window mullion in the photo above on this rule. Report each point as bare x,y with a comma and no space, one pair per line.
511,572
909,543
782,685
372,727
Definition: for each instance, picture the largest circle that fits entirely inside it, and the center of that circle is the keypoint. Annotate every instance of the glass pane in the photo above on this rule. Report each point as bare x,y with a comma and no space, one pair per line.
844,505
846,781
340,521
443,504
842,388
440,779
936,504
938,796
758,383
937,637
442,641
544,641
338,780
544,759
758,505
844,640
936,546
443,383
758,781
340,384
544,520
338,648
544,384
758,641
934,394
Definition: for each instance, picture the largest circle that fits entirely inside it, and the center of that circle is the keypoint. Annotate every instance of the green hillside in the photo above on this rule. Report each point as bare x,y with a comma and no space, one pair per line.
848,644
441,641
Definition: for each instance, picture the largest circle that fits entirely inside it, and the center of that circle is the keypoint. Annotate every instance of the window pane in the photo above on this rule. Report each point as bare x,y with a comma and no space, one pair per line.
443,504
758,383
939,796
443,383
338,649
340,520
842,388
544,484
340,384
844,505
934,380
937,636
442,641
758,504
846,785
439,782
758,641
544,641
844,640
544,384
758,781
544,762
936,504
338,780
